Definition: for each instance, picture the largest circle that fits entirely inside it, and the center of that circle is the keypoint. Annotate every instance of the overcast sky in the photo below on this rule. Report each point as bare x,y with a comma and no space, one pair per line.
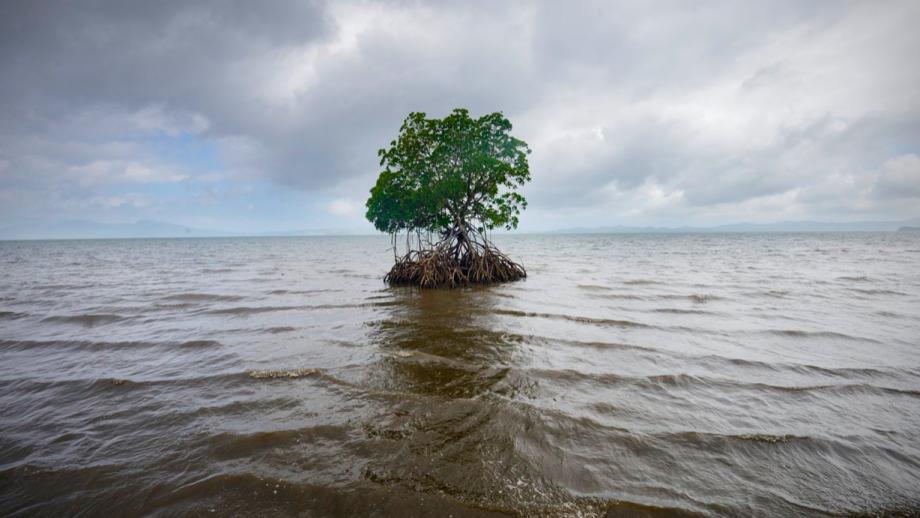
260,116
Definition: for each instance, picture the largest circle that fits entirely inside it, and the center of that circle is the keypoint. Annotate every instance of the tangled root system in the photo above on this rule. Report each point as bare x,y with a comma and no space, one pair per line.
454,263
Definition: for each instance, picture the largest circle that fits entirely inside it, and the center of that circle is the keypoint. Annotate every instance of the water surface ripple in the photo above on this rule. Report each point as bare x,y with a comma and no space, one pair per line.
638,375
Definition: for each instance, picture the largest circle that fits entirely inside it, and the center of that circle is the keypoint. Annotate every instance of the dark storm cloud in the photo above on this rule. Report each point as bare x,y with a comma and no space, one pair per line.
245,71
111,51
664,108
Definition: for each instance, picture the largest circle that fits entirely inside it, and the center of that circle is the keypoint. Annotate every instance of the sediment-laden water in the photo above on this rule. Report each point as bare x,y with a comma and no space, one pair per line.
770,375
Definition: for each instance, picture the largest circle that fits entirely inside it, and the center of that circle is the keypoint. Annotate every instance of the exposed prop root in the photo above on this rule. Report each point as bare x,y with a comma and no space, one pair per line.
453,264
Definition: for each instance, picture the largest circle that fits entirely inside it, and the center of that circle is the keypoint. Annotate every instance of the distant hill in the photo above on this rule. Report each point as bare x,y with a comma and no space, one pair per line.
784,226
79,229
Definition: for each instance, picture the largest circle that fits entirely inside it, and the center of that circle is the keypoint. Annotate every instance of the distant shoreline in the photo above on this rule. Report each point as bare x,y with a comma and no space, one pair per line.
701,231
148,229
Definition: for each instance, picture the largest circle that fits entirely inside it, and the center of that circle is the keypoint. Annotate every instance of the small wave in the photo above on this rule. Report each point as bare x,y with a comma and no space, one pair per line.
714,361
676,380
201,343
776,294
228,444
772,439
359,305
798,333
202,297
104,383
86,320
623,508
62,286
380,297
12,315
570,318
616,296
344,272
299,292
594,287
640,282
101,346
831,372
859,278
683,381
889,314
279,329
178,305
705,437
345,343
252,310
839,389
878,292
287,373
322,374
512,493
574,376
434,358
849,388
679,311
553,342
697,298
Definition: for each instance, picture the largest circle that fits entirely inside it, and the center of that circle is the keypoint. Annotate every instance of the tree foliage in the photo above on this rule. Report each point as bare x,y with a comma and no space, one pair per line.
455,177
450,175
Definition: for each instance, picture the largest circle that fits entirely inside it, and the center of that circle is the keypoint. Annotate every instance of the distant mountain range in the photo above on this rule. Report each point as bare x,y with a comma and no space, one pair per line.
784,226
80,229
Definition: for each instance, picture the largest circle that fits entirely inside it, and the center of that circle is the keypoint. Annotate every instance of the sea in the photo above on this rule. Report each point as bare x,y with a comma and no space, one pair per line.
628,375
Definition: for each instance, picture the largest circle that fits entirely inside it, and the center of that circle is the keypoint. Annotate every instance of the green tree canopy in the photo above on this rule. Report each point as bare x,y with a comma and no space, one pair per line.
452,175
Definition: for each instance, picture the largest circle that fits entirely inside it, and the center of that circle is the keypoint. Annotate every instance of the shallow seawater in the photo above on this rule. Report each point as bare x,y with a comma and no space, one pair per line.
635,375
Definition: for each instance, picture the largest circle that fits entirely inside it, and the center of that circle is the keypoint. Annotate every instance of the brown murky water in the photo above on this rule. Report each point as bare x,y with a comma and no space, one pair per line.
770,375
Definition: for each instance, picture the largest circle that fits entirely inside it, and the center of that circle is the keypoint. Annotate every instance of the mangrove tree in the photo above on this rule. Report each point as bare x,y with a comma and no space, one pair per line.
445,185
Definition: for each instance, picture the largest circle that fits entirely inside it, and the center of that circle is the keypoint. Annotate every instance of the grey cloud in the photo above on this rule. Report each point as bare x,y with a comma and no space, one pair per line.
713,103
899,178
58,58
